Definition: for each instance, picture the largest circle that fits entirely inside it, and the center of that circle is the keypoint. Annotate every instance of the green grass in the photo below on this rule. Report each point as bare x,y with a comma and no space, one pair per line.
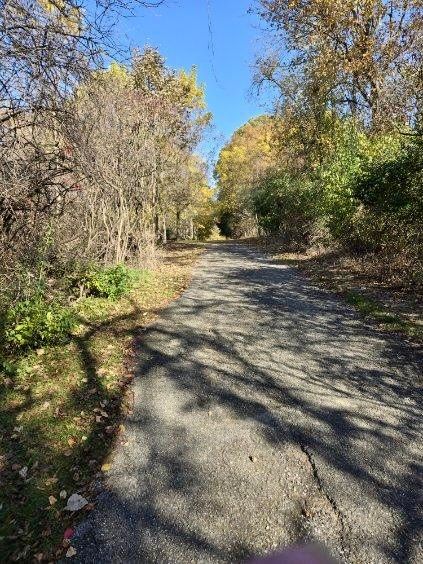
379,313
62,409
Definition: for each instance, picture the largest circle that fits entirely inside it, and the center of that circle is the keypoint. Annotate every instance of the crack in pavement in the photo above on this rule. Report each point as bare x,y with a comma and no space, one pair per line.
344,549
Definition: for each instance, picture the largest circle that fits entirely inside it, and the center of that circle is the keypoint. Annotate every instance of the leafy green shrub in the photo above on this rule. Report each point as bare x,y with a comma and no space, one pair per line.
388,199
112,282
338,168
36,322
393,184
368,183
287,206
7,367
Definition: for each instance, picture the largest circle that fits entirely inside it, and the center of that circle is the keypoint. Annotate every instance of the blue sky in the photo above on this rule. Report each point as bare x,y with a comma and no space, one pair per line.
223,57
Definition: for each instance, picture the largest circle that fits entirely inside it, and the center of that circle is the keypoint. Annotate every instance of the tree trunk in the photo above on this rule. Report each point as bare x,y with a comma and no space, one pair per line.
178,224
164,234
157,225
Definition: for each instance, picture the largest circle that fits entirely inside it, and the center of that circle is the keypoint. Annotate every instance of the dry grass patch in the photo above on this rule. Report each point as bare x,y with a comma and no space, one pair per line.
392,304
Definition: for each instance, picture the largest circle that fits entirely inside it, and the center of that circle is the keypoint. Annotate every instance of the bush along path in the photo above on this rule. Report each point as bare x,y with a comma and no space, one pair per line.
266,413
62,405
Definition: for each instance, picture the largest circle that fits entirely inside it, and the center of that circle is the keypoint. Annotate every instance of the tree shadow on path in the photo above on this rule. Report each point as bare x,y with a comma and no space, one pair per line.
255,343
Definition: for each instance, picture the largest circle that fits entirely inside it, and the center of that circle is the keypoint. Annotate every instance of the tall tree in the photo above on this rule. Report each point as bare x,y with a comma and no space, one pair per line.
358,55
132,132
243,160
47,47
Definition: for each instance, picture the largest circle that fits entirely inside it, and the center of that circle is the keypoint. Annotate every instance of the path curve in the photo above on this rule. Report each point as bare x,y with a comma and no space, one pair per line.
265,413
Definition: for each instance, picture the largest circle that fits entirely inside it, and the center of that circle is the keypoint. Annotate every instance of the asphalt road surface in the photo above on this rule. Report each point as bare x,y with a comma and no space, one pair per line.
266,413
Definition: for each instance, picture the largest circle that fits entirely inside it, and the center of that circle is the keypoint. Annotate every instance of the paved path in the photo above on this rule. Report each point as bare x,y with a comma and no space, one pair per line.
266,413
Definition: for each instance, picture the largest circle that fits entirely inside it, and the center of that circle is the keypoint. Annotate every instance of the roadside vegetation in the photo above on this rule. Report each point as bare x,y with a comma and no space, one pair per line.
98,163
63,406
337,167
98,171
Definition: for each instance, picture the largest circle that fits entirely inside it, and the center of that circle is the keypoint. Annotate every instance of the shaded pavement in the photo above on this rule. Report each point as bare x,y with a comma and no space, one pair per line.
265,413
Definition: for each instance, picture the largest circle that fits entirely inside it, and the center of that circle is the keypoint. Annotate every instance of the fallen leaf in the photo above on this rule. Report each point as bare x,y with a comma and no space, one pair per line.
106,467
98,418
51,499
63,494
70,552
40,352
69,532
45,405
76,502
71,441
23,472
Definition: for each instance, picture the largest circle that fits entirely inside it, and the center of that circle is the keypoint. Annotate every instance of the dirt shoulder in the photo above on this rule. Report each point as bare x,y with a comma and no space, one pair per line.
363,282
